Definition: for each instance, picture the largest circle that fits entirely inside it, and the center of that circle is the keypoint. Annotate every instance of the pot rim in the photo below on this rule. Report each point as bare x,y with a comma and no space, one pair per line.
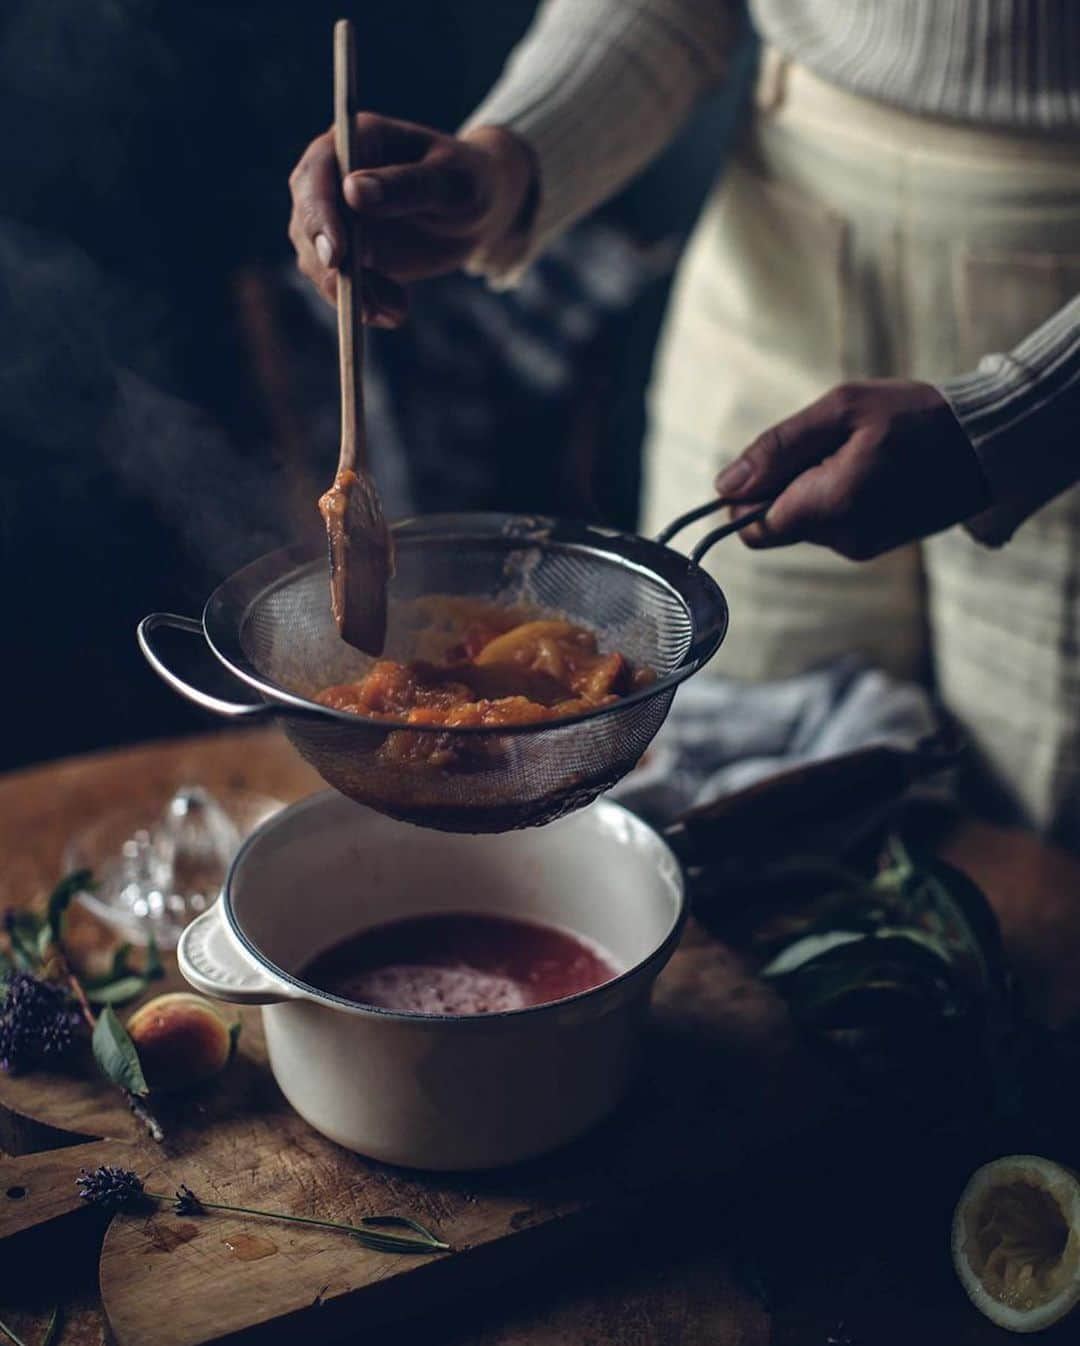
651,963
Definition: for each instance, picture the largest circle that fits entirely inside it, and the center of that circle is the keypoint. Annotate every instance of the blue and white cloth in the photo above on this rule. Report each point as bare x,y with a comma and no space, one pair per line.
723,735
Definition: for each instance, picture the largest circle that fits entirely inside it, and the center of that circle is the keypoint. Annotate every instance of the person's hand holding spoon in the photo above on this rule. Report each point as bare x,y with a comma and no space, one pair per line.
427,203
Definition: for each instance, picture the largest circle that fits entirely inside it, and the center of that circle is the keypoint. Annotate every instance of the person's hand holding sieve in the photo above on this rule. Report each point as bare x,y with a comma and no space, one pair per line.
426,202
863,469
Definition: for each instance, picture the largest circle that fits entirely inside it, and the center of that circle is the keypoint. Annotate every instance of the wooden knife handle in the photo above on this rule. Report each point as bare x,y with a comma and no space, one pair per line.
815,793
36,1189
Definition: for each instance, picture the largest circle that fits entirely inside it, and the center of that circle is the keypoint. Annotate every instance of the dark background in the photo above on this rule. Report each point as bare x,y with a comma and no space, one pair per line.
167,386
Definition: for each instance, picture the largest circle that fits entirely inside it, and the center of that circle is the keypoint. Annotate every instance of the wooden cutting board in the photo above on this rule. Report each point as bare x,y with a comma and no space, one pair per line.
722,1080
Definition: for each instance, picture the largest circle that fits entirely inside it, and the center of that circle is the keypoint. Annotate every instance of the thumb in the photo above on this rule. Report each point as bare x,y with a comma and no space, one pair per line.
780,453
439,184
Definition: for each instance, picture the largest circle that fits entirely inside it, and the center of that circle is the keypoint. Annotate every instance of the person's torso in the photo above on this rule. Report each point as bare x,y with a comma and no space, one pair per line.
1010,63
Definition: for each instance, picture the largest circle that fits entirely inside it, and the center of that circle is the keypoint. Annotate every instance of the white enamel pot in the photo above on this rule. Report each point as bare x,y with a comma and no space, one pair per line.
437,1091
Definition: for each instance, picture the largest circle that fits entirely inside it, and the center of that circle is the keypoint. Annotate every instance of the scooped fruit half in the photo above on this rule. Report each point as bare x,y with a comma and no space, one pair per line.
181,1039
1016,1242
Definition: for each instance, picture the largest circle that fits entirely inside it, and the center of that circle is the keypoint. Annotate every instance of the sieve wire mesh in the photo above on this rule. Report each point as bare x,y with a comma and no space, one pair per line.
487,779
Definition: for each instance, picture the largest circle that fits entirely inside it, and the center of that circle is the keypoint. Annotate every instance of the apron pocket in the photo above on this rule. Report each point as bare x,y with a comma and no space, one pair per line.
756,326
1003,295
780,274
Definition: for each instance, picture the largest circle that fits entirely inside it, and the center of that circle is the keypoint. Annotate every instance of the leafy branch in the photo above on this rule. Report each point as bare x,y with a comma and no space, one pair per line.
897,965
38,963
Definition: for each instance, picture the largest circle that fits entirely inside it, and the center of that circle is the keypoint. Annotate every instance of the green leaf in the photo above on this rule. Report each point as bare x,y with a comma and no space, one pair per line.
120,968
946,904
809,947
966,906
402,1222
902,859
815,945
116,992
856,995
120,964
909,948
891,963
122,981
23,933
867,1006
115,1054
940,948
61,898
154,968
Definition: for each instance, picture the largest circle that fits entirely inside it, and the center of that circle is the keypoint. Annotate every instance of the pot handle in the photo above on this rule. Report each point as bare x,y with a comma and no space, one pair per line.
711,539
213,962
233,710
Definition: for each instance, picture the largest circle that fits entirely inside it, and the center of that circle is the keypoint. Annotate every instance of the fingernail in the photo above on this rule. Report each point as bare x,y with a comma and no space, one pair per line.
364,191
325,249
734,477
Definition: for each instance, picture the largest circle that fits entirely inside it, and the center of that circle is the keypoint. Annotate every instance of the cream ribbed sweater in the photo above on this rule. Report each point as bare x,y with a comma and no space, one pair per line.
598,87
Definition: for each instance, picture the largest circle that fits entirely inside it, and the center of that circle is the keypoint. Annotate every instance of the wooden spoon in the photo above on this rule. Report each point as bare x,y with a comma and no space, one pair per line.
359,541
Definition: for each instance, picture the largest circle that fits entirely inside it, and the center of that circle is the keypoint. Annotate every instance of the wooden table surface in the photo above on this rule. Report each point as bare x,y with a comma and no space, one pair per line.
856,1280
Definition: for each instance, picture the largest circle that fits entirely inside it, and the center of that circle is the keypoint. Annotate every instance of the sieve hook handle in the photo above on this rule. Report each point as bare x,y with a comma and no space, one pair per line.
233,710
710,539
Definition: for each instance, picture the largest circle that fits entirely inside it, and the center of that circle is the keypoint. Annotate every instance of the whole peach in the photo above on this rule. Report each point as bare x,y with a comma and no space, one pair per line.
181,1039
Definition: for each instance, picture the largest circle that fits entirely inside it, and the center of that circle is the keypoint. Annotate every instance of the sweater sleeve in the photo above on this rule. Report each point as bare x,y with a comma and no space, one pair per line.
1021,412
597,88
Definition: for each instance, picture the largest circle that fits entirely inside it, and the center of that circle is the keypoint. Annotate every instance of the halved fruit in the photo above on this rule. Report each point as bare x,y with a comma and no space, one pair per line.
1016,1242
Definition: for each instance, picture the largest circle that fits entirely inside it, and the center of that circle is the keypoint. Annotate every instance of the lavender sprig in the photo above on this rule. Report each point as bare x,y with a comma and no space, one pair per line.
37,1021
121,1189
186,1202
111,1187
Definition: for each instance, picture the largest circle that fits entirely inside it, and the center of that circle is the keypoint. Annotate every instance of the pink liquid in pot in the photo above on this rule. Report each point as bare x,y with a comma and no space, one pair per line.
460,963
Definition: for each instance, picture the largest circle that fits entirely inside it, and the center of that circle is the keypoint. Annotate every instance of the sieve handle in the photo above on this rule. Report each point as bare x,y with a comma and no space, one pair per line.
710,539
233,710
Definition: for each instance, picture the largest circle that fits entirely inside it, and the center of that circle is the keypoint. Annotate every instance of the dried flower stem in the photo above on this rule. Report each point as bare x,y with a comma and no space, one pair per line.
11,1336
50,1330
391,1243
144,1116
52,1326
76,989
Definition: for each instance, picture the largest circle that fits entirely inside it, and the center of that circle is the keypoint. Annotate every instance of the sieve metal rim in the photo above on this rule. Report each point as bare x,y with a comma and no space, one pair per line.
227,608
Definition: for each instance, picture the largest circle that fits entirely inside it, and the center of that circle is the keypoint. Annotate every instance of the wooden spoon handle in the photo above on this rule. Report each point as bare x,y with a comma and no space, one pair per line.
349,303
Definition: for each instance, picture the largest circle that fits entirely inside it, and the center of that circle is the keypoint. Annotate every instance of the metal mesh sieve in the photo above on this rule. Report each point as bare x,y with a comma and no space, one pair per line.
271,626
